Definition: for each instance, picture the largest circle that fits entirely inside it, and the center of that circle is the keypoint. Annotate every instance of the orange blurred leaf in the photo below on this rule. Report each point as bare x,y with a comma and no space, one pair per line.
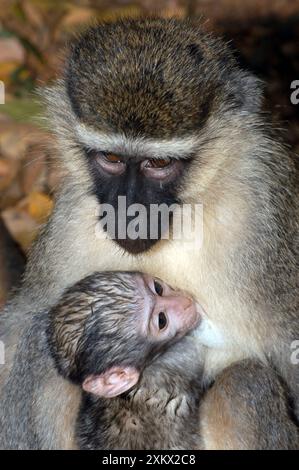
38,205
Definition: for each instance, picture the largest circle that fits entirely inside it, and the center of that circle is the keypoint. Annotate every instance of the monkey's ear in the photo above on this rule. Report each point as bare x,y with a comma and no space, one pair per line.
111,383
247,90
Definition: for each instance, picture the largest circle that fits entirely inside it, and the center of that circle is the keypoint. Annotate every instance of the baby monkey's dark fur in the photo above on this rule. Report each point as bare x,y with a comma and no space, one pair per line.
92,329
244,409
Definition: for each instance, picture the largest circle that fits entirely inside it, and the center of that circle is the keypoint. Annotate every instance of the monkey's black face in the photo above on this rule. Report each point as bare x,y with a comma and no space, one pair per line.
132,190
133,98
145,95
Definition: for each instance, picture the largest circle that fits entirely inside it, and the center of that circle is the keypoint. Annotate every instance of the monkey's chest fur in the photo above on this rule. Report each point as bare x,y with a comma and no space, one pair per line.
147,418
143,423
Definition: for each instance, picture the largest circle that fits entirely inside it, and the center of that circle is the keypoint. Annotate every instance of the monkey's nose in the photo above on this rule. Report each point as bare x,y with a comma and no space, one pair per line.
179,303
187,303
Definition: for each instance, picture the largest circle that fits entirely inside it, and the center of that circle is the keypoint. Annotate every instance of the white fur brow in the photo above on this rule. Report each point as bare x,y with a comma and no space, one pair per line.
119,143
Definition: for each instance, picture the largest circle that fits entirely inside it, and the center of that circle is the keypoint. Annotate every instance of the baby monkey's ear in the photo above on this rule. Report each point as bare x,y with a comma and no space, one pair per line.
112,383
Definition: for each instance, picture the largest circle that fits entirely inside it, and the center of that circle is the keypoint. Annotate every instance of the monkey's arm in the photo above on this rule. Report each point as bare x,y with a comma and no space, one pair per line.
38,408
247,408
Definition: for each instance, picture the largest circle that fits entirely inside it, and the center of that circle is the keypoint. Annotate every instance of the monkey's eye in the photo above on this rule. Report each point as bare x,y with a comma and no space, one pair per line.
162,321
112,158
158,288
110,162
158,163
161,169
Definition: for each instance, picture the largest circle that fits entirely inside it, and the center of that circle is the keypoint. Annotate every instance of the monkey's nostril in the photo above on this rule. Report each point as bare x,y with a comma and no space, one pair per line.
162,321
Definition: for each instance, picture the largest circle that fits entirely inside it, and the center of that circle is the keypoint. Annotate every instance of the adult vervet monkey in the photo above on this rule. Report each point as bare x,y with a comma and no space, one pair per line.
159,111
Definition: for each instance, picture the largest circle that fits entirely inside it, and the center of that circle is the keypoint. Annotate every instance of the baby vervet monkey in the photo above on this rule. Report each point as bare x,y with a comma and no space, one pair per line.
96,337
123,337
117,334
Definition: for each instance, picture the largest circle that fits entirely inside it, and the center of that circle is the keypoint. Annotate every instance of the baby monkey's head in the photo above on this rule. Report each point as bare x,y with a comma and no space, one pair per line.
109,326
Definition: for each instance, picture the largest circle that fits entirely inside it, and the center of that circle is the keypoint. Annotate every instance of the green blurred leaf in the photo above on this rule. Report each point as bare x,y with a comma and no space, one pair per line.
22,80
5,34
30,47
27,110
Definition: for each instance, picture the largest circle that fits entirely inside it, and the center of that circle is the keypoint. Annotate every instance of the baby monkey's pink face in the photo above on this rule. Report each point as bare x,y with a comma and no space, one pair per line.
166,313
161,314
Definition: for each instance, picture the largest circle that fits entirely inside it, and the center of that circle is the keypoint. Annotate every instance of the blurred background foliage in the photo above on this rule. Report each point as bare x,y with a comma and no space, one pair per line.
33,35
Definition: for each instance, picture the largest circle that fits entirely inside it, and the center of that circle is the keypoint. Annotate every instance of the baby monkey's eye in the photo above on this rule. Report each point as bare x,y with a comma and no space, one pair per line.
162,321
158,288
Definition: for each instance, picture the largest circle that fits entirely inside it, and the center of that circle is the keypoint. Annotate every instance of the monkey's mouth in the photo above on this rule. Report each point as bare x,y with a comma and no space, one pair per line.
136,247
138,237
191,326
209,334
